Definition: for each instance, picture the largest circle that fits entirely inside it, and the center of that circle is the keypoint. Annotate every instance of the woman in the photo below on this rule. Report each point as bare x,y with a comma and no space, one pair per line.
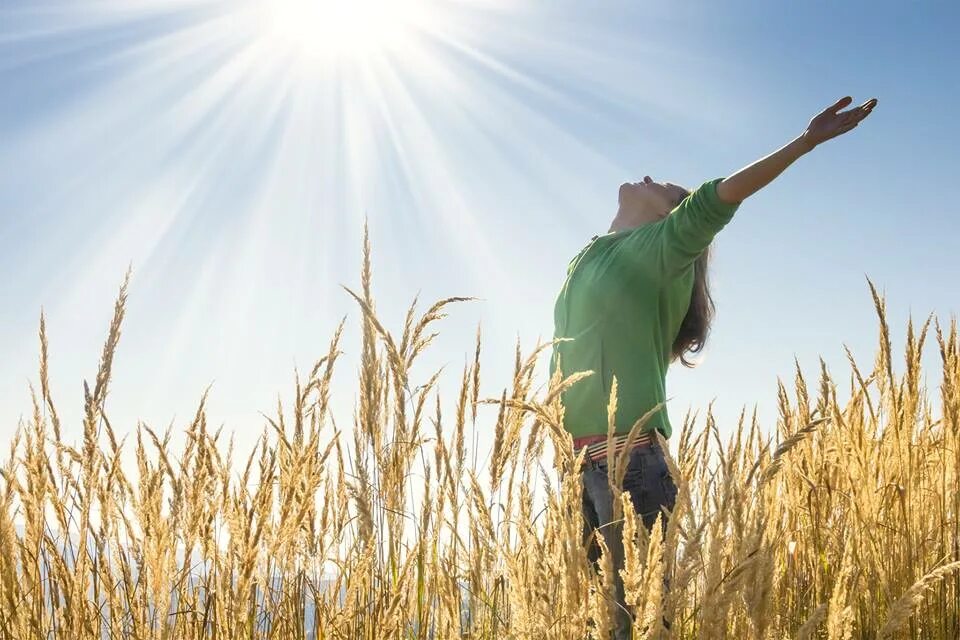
635,300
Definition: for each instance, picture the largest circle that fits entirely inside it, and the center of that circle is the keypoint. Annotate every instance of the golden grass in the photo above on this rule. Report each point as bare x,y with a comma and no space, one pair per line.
840,521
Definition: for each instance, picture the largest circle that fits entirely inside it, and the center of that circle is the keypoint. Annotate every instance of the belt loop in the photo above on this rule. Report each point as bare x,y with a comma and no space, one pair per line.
588,462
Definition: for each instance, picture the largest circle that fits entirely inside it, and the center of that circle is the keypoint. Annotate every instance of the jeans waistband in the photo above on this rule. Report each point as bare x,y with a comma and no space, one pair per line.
596,446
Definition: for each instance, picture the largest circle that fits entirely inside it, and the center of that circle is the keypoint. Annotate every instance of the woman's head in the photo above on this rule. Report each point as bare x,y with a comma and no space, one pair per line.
646,201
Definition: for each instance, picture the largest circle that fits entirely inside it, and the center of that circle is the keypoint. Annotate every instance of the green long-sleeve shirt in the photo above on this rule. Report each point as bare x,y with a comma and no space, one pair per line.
624,298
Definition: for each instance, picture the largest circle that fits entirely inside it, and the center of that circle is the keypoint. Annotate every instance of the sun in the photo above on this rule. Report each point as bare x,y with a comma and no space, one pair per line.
340,28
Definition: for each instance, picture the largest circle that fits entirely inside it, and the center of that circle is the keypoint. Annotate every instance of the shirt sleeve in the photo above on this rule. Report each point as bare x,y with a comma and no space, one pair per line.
674,243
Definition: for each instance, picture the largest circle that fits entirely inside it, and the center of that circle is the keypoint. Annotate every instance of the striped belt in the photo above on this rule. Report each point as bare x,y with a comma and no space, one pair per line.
596,446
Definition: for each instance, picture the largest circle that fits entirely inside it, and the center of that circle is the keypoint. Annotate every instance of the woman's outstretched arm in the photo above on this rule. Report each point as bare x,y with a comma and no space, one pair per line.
825,125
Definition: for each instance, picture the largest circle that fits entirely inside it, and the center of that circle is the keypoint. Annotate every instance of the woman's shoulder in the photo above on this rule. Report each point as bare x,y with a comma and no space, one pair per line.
636,238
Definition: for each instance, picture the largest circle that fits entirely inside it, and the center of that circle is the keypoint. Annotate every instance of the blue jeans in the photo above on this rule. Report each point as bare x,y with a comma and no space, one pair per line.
648,482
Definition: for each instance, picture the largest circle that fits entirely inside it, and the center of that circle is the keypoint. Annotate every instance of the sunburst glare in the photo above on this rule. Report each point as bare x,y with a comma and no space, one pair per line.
338,28
232,149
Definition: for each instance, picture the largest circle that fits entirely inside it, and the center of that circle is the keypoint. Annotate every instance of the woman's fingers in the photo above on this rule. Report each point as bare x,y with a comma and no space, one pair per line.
865,109
839,104
859,113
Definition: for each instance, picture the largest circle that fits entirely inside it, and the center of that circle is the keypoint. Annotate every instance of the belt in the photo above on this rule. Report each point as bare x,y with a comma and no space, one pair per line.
596,446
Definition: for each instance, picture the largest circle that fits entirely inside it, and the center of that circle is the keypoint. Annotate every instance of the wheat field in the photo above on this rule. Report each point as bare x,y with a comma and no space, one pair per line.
839,521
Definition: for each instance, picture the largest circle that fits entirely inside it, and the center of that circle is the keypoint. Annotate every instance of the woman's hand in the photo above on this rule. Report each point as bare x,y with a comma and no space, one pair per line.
825,125
830,124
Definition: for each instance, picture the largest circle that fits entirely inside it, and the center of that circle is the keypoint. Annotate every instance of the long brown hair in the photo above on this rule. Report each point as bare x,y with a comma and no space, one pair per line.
696,323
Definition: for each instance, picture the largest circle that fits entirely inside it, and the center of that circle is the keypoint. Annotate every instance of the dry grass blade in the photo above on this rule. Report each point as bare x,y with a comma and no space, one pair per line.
903,608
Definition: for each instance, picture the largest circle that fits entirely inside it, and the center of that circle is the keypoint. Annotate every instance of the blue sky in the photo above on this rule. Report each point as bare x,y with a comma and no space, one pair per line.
233,168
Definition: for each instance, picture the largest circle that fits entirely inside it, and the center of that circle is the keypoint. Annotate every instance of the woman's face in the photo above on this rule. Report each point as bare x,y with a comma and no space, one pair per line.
648,200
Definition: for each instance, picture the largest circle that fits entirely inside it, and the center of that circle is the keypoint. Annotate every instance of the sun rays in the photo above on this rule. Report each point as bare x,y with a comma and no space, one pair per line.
341,28
231,150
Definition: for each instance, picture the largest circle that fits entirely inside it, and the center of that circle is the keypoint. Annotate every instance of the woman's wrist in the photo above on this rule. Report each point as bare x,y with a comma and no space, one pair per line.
804,143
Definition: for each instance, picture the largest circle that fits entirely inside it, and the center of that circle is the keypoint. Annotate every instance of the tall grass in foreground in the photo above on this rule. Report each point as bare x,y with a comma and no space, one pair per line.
844,527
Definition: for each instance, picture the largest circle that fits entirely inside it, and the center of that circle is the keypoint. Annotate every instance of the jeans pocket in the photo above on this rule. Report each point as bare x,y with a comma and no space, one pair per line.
634,473
669,488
